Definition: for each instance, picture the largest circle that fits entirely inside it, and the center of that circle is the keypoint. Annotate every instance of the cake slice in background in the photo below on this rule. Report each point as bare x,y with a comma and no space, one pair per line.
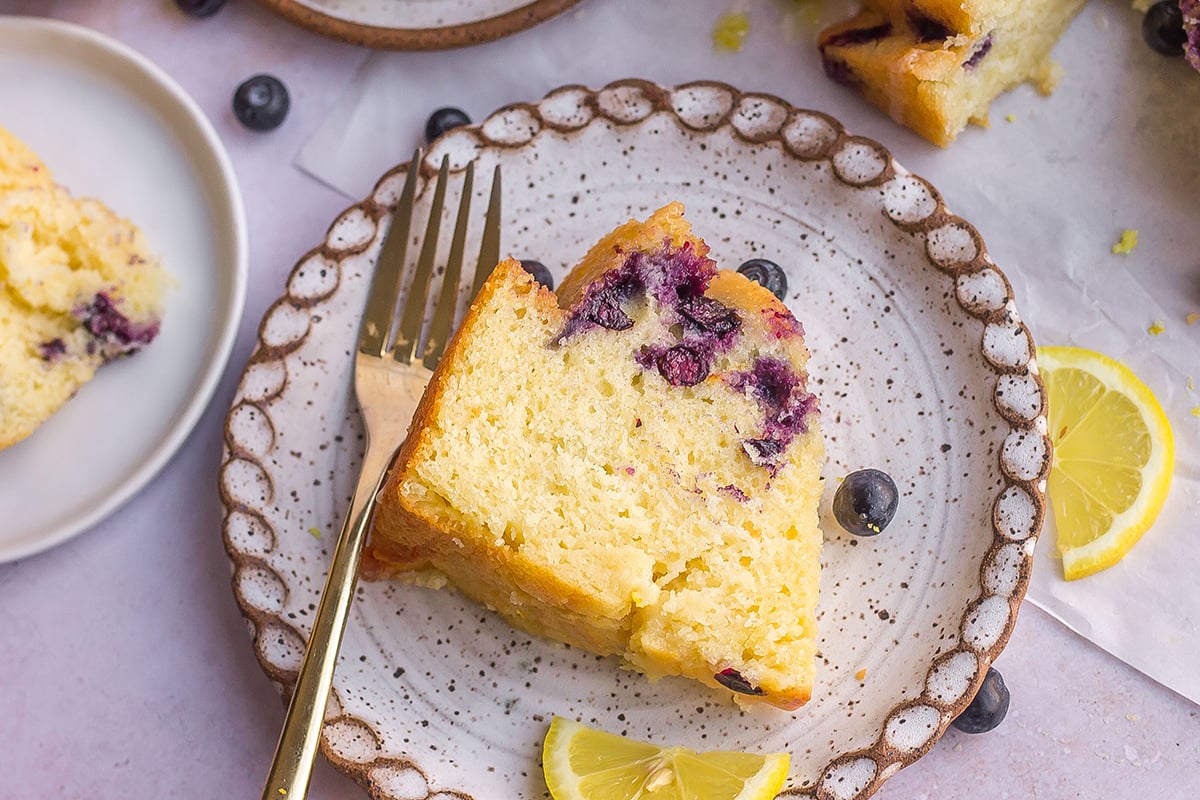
936,65
636,473
1191,25
20,167
79,287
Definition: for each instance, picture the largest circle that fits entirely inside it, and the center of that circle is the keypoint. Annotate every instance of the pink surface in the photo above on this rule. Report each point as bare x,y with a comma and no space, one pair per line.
126,671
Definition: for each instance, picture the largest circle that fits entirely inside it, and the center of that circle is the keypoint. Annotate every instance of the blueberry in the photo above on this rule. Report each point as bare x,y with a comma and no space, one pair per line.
52,349
200,8
732,679
866,502
682,366
539,272
768,273
1162,28
763,452
261,103
980,53
709,315
988,708
444,119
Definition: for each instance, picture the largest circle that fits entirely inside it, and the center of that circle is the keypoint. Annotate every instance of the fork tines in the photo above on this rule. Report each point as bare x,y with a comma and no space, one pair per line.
388,282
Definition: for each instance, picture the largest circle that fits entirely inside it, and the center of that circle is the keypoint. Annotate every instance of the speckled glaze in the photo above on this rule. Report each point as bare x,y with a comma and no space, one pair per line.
923,367
417,24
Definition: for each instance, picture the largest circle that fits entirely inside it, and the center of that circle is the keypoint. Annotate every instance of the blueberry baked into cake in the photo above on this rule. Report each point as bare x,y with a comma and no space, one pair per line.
78,288
631,466
936,65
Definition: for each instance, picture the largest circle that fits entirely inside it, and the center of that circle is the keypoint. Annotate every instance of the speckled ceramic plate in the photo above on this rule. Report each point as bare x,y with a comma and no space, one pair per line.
923,367
418,24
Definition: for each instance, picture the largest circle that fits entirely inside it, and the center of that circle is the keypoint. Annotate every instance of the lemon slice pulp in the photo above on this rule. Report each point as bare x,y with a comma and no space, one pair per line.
582,763
1113,457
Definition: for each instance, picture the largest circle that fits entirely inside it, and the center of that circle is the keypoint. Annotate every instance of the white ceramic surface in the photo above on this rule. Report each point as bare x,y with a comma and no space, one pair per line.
93,108
923,366
415,13
418,24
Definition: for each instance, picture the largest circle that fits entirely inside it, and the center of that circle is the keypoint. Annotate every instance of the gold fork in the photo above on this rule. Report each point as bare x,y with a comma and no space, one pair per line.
390,373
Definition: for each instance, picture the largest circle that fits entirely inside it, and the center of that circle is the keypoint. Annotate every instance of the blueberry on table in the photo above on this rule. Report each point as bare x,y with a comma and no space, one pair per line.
539,272
444,119
200,8
261,103
988,708
1162,28
768,273
866,501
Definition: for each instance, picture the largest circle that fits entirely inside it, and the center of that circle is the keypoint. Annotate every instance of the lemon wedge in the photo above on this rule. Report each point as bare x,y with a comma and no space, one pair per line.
1113,457
582,763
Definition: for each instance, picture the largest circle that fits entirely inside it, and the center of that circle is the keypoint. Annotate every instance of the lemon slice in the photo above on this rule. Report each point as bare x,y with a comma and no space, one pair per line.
582,763
1113,457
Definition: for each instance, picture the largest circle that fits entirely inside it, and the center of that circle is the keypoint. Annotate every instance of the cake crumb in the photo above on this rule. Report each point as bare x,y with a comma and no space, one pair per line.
1193,318
861,674
1010,117
315,531
1156,328
1131,717
1128,241
1195,412
730,31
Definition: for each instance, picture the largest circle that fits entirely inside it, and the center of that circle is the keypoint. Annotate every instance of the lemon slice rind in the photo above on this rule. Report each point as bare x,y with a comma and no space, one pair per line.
638,769
1127,526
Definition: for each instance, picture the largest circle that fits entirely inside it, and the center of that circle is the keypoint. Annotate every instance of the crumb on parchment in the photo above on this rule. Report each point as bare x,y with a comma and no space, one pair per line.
1156,328
1128,241
730,31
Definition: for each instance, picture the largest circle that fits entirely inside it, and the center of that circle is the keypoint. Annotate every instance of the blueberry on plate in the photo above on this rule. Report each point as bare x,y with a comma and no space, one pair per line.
1162,28
539,272
865,502
768,273
200,8
444,119
261,103
988,708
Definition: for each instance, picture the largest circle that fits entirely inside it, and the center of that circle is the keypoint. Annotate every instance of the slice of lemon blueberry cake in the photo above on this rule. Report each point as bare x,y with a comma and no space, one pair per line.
935,65
78,288
631,466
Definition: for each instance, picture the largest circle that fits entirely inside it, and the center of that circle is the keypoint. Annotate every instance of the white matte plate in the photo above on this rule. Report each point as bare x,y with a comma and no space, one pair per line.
418,24
923,367
111,125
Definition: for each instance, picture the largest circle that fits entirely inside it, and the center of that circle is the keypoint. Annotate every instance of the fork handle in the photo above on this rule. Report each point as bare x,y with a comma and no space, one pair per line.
296,751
